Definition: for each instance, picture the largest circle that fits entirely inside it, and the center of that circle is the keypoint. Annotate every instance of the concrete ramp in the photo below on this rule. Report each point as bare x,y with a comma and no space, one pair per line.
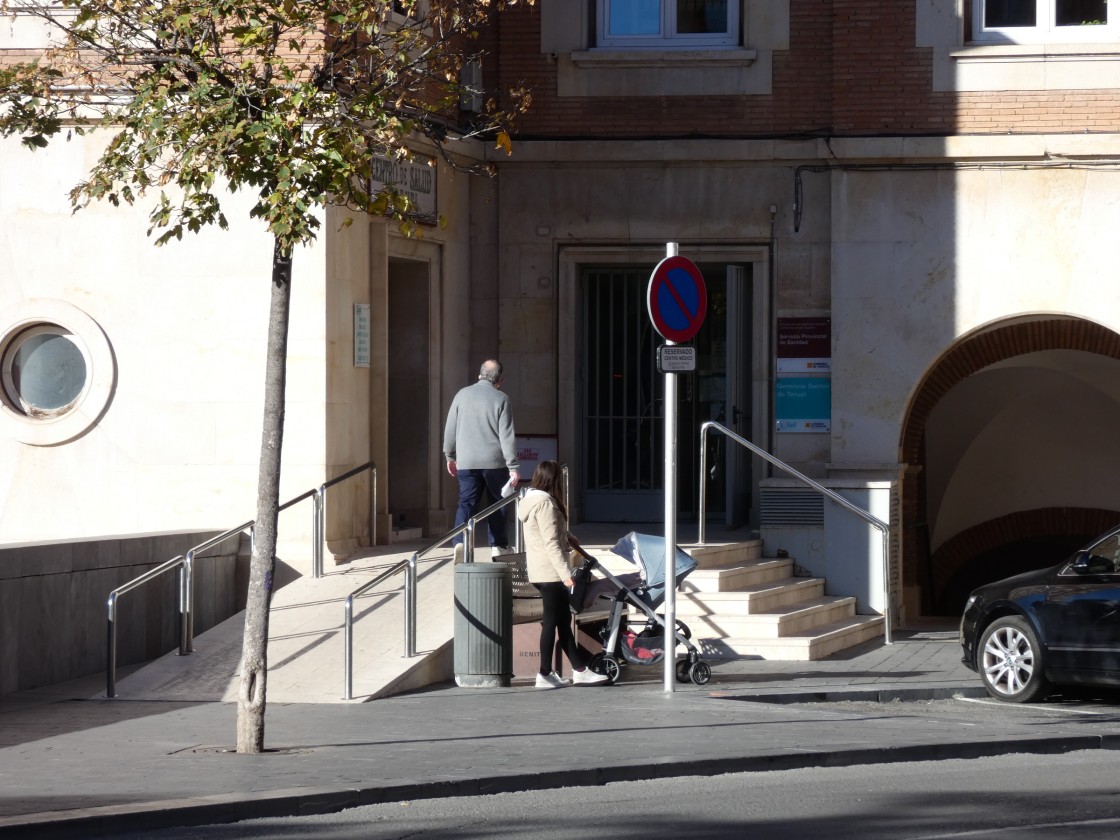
305,640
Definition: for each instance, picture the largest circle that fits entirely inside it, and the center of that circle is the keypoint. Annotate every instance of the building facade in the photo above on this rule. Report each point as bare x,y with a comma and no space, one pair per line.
929,184
904,213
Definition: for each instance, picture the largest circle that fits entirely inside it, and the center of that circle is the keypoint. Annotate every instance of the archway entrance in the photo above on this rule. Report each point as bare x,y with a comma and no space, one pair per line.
1012,455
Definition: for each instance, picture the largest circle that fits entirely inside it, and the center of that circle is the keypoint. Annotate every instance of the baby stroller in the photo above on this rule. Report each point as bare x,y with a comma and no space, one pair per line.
645,590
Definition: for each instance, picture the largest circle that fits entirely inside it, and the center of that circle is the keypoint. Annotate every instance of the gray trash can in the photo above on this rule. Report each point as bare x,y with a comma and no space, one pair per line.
483,625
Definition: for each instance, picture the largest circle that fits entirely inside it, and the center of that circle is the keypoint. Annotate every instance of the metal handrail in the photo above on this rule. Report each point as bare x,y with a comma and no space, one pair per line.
874,522
185,564
186,588
319,535
409,567
110,688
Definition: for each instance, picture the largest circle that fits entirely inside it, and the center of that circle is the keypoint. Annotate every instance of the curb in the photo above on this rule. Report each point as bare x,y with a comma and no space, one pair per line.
294,802
874,695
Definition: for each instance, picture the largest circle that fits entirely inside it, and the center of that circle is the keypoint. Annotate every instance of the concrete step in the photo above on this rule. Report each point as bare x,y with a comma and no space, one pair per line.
818,643
791,620
716,555
399,535
751,600
738,577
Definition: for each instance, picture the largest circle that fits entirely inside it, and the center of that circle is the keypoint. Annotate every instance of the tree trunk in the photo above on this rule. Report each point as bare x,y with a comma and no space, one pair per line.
254,651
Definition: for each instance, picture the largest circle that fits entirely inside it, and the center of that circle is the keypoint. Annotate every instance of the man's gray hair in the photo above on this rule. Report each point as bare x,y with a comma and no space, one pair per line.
491,370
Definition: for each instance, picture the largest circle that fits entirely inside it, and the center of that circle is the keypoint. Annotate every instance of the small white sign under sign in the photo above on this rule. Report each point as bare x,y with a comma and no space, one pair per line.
672,358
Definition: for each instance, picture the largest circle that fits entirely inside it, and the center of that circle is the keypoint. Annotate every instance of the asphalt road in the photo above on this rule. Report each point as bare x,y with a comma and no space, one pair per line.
1021,796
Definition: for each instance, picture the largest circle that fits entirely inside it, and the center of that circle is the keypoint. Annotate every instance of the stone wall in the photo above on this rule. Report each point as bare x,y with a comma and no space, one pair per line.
54,602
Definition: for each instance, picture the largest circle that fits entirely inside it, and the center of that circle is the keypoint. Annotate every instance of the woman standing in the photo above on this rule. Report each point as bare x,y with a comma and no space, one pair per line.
547,543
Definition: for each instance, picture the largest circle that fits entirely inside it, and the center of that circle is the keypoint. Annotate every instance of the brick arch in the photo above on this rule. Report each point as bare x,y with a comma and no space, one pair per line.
1071,527
967,356
994,344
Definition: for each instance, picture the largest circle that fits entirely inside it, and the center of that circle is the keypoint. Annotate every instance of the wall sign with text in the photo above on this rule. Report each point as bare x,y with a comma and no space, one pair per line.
803,404
804,345
415,179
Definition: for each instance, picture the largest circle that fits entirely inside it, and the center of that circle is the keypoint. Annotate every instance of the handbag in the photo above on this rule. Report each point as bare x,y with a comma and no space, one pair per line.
581,579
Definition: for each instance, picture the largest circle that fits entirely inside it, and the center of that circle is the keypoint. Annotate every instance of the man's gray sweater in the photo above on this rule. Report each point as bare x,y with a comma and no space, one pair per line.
479,433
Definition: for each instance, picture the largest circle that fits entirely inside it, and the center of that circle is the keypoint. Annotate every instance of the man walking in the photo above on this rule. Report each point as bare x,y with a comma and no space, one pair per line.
481,451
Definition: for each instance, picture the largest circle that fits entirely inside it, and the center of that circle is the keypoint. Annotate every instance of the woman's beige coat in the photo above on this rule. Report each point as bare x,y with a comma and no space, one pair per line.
546,538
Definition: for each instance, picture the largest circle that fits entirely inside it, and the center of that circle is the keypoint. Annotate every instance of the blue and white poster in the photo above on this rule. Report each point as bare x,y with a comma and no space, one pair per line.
803,404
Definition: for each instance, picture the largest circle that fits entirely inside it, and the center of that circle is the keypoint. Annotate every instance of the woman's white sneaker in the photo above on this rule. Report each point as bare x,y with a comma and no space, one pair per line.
588,677
549,681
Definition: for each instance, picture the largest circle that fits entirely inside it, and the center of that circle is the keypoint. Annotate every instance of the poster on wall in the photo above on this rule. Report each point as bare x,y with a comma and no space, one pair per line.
531,450
804,345
803,404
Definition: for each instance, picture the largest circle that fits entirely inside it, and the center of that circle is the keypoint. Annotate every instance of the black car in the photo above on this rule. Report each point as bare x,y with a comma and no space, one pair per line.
1058,626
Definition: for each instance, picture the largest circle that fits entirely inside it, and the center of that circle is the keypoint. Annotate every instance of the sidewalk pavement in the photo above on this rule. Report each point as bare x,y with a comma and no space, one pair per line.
71,766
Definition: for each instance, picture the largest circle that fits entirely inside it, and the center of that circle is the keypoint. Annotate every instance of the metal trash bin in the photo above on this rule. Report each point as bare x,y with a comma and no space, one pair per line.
483,625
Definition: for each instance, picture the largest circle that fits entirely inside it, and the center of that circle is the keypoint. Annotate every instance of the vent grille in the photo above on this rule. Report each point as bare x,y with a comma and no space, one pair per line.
791,507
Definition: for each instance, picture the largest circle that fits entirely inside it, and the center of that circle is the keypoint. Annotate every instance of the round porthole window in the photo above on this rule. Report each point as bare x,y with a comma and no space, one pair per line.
45,371
57,372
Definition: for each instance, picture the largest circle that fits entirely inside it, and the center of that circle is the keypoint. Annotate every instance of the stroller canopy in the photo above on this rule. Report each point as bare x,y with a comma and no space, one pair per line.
648,554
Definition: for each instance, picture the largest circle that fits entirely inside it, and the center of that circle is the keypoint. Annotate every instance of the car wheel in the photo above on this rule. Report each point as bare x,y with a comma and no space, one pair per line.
1011,661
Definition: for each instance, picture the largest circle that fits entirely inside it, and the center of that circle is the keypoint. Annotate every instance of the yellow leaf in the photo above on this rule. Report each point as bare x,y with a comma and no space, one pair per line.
503,142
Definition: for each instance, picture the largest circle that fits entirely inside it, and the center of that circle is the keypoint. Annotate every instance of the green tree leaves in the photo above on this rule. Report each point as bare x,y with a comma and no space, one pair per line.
289,99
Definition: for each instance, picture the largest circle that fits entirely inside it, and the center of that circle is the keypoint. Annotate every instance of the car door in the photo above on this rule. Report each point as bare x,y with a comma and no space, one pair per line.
1082,612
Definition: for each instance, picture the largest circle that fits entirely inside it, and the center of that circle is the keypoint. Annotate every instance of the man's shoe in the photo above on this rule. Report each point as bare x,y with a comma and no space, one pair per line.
499,550
588,677
458,552
550,681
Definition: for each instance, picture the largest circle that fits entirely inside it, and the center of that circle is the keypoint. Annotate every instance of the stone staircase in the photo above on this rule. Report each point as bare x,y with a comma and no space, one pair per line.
738,603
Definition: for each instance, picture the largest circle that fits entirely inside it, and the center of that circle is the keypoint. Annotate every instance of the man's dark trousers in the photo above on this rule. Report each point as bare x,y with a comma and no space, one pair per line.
471,485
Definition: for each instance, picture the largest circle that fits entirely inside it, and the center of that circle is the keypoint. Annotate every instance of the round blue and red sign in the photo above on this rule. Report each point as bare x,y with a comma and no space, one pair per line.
677,299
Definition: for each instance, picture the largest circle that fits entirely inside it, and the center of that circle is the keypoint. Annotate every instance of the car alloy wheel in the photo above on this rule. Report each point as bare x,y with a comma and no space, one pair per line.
1011,661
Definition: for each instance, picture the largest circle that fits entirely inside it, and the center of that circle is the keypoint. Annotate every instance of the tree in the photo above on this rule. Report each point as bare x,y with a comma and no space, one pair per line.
292,99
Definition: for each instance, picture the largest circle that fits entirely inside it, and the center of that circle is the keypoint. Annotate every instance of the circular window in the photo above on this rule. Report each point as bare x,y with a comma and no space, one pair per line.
45,371
57,372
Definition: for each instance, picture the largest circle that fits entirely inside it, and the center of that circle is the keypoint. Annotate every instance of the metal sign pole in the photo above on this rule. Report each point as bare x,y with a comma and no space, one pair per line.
670,517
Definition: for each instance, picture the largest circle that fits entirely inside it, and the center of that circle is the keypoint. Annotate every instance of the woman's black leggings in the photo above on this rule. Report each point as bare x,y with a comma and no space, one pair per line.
557,623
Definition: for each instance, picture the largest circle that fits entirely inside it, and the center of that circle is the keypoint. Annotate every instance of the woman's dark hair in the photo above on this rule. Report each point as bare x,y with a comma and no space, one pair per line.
547,477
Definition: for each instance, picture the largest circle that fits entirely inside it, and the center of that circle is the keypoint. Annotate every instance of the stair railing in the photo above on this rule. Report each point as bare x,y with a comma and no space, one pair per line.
873,521
319,537
185,565
408,566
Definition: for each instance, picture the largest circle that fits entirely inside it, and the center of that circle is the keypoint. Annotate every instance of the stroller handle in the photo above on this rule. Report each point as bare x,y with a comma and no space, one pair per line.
580,550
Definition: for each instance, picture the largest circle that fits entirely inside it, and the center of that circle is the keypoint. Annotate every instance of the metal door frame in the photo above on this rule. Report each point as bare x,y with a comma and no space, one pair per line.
570,386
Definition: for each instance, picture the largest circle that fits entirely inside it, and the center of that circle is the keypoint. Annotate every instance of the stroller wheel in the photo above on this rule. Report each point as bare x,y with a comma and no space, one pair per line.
700,673
682,671
608,666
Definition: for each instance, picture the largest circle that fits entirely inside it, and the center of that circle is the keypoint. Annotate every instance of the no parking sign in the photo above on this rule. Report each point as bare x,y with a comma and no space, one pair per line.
677,299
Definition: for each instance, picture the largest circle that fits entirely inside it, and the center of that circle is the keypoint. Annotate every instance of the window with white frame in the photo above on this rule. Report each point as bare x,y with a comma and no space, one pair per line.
1043,21
668,24
57,372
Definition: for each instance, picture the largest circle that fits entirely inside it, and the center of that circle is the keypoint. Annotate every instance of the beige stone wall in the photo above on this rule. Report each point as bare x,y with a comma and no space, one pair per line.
563,204
922,260
178,443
